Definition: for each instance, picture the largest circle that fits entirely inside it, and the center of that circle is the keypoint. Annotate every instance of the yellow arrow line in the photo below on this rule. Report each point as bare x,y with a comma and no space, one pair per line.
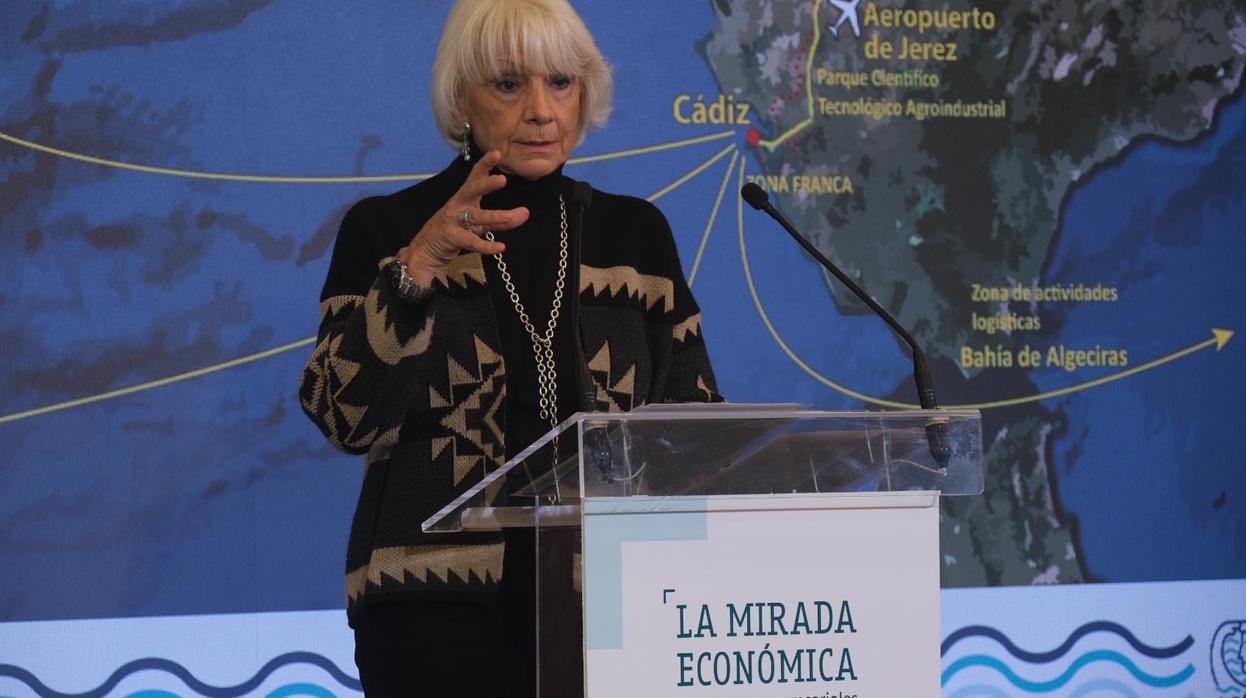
692,173
709,225
4,419
774,334
195,174
158,383
813,47
279,179
651,148
1219,338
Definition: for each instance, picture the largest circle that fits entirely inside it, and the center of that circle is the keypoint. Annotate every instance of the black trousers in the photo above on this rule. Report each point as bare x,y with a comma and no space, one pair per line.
480,644
434,647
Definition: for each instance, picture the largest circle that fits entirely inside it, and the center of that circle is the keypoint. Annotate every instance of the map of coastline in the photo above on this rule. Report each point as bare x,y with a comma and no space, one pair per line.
962,131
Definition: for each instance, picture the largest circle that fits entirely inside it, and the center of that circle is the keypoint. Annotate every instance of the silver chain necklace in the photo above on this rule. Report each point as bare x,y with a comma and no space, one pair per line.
542,344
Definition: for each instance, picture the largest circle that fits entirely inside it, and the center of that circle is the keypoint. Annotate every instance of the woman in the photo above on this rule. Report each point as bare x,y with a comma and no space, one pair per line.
442,351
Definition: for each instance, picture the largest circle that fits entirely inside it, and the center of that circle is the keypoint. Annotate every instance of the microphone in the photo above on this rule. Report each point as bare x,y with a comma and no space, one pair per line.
936,430
581,199
596,441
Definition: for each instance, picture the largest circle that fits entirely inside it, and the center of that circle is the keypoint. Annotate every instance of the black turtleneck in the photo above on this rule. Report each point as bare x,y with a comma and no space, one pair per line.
531,257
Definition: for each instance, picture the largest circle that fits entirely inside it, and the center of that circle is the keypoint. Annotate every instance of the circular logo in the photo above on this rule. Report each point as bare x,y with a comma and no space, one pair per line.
1228,657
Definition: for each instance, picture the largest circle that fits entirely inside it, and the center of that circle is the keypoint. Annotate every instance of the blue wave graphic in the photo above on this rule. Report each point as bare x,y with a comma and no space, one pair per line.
1063,649
287,691
301,689
1058,682
980,691
1099,685
1096,687
194,684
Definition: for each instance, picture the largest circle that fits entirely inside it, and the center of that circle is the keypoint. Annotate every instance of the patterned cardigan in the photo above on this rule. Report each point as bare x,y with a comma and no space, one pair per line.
421,387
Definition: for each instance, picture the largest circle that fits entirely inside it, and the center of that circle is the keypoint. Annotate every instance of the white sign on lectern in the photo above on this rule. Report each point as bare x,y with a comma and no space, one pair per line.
780,595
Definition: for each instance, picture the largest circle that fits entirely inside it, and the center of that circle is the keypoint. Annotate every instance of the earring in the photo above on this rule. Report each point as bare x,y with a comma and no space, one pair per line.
467,137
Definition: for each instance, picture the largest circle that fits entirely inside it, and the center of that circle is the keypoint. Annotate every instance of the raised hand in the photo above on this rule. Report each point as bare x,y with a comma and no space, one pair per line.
451,232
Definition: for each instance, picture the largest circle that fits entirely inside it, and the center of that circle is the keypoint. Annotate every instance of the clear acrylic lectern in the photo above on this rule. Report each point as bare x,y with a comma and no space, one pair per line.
668,457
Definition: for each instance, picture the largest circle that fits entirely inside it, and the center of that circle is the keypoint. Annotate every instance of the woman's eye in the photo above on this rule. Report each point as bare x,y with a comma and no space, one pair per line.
561,82
506,84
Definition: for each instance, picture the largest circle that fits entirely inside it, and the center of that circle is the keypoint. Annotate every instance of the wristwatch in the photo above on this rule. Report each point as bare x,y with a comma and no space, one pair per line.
404,285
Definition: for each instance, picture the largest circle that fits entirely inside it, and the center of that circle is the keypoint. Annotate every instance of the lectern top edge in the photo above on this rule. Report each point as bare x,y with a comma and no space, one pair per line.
703,449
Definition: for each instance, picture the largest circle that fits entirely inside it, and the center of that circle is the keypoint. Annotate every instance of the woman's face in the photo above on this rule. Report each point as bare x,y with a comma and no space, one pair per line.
531,119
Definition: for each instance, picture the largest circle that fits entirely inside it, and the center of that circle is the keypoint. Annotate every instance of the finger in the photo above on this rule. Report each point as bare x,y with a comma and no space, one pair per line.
476,188
470,242
489,160
479,181
497,219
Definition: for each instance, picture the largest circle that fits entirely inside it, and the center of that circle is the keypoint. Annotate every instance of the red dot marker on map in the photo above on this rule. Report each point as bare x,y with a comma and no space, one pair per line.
753,137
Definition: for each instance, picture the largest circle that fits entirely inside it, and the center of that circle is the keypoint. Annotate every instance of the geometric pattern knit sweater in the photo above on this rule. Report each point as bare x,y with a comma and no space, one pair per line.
421,387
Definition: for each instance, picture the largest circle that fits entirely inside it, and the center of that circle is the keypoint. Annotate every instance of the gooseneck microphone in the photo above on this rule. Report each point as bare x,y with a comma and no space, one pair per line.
936,431
581,198
596,441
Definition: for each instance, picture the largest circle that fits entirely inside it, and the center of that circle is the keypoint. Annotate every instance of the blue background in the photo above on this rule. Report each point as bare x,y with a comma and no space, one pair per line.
215,494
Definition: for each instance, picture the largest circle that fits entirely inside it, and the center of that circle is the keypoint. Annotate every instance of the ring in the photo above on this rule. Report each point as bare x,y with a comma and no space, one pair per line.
465,218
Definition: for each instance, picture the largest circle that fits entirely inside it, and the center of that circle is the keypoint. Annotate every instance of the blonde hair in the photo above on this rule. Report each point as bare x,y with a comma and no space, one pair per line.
544,37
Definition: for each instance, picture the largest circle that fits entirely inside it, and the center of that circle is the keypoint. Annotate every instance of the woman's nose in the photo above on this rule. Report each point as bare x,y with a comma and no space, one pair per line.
540,106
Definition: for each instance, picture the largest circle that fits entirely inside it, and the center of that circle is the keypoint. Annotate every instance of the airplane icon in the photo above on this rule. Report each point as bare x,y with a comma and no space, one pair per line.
847,13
